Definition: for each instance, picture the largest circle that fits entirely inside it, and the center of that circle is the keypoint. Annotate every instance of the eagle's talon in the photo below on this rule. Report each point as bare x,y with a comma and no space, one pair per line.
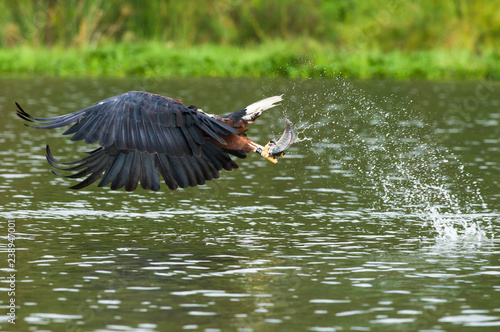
273,159
264,152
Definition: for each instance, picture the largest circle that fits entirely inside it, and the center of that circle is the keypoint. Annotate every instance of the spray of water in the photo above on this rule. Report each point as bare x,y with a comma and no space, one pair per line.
393,153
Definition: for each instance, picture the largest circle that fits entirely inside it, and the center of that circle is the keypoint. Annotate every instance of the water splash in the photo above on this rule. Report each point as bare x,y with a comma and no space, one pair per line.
386,143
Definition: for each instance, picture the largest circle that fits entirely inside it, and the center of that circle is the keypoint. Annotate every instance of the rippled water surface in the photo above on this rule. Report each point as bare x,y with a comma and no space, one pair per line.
387,220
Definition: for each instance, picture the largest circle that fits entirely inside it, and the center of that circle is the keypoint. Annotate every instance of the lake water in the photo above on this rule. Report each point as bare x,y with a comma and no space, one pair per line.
388,220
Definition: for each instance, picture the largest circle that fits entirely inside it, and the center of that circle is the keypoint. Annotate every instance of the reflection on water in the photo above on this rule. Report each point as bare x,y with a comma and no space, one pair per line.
387,219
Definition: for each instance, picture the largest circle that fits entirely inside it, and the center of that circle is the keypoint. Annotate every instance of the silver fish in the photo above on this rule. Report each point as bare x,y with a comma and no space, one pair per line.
279,147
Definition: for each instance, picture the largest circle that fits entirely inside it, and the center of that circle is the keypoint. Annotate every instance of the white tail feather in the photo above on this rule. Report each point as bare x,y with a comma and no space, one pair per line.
254,110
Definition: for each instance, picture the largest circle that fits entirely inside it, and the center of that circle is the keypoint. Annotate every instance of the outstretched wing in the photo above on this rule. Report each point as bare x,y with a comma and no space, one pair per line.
125,168
139,121
141,136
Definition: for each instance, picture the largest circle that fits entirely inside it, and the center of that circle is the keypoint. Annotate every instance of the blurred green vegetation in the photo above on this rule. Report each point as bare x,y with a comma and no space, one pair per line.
444,39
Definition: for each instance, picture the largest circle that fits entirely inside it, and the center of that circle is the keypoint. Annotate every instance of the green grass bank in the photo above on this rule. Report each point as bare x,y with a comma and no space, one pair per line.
269,59
447,39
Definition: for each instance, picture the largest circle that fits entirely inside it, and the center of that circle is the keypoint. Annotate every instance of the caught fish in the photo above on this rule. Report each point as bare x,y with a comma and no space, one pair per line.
276,150
284,142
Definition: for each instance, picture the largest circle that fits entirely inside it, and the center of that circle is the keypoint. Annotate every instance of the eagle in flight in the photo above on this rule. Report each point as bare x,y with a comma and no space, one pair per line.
143,135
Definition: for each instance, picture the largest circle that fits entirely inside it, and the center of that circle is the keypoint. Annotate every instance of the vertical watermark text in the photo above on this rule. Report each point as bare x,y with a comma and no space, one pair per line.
11,263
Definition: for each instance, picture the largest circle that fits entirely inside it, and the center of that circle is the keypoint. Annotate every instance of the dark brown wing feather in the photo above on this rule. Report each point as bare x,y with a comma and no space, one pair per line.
138,120
123,168
142,136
